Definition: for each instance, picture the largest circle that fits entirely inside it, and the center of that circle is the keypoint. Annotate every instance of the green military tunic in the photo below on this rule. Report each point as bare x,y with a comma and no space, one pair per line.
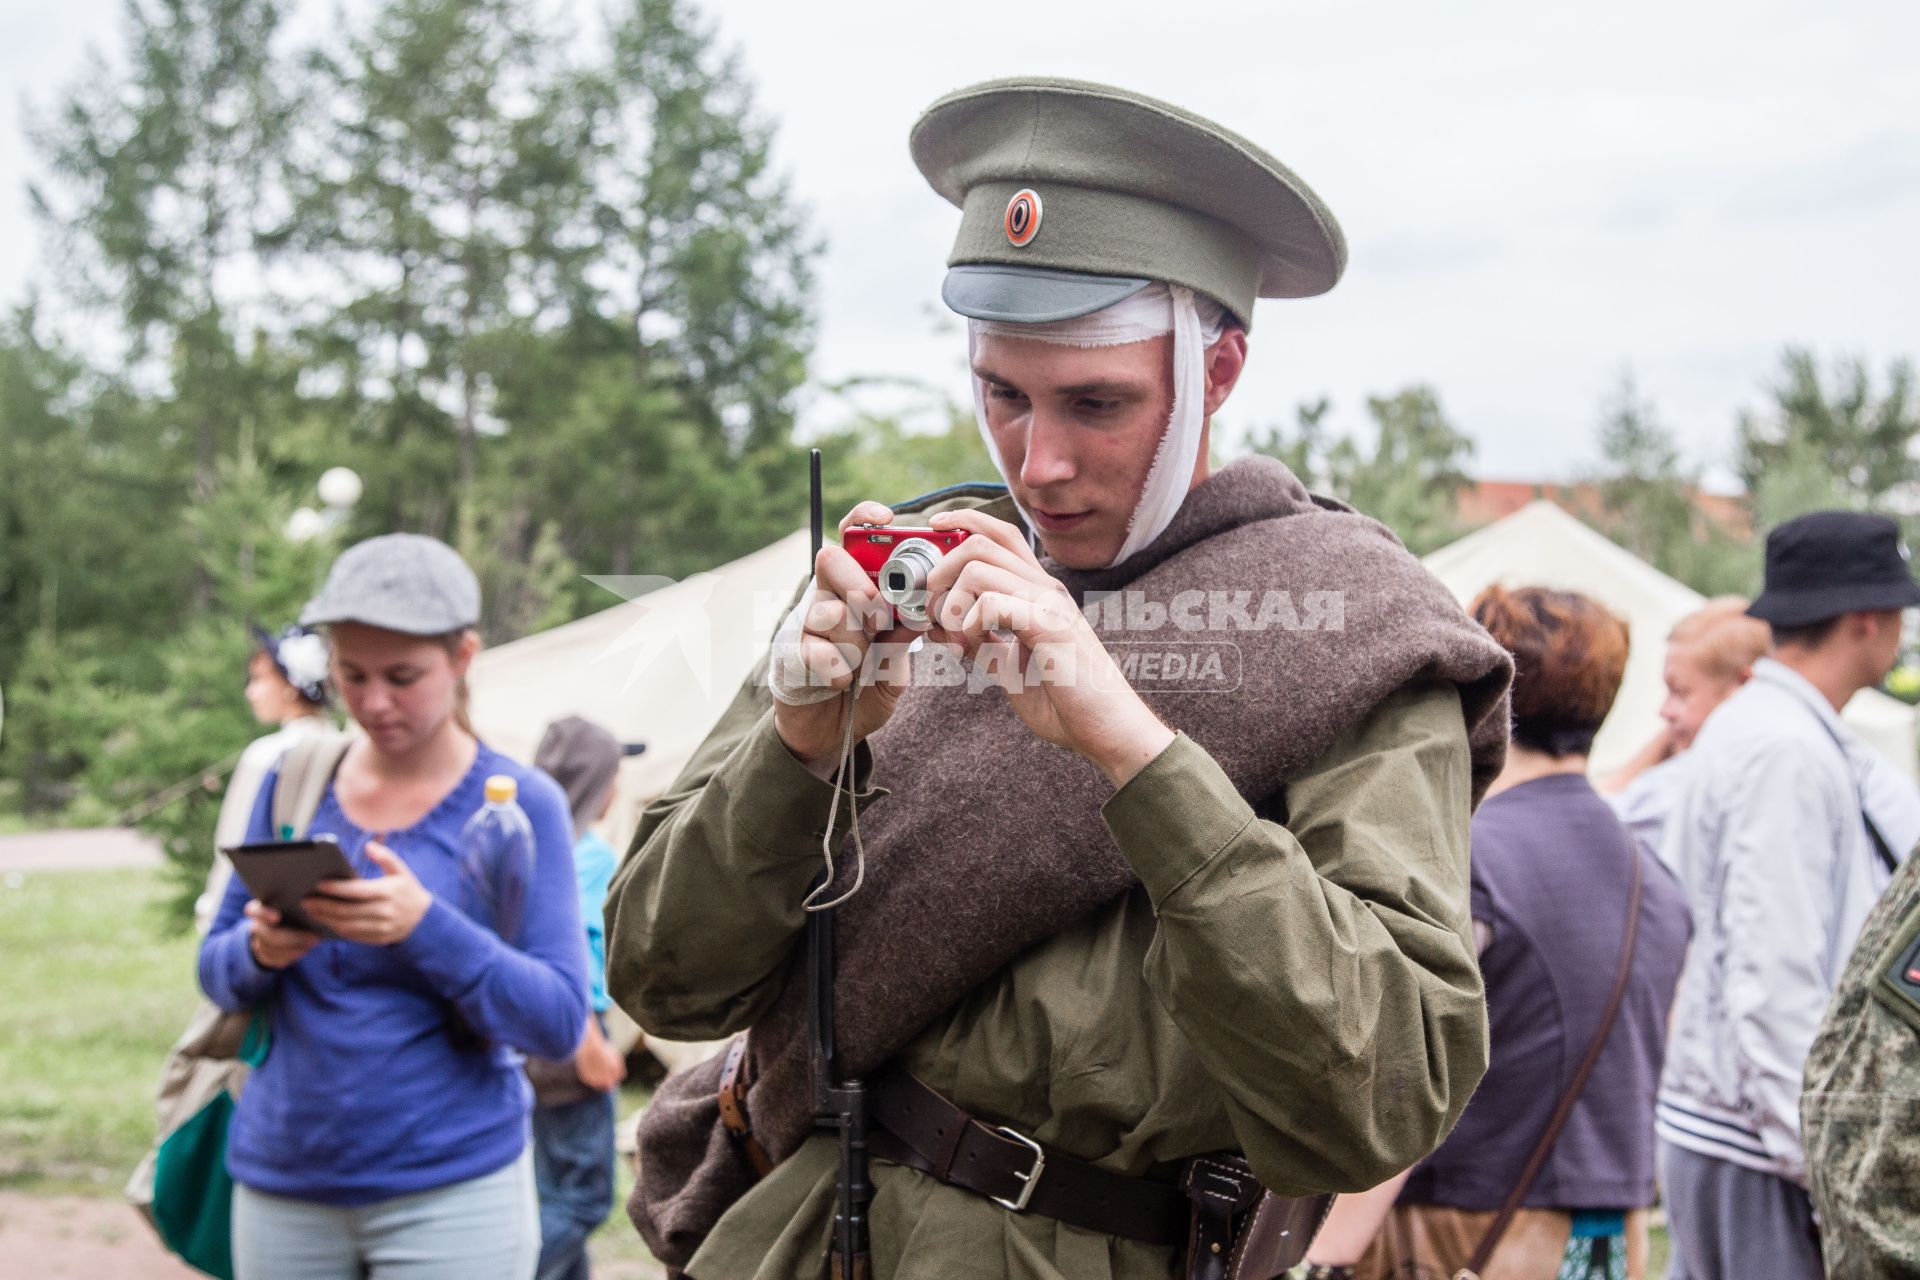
1124,1039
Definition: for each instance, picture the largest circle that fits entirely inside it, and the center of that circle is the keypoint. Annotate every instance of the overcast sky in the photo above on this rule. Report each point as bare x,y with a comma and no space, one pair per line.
1537,197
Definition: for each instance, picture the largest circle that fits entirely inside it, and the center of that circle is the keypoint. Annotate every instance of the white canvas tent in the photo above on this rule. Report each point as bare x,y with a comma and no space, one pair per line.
661,668
1542,545
658,669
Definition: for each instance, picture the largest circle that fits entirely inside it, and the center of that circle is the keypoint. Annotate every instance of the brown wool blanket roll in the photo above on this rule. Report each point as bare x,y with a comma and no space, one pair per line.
991,840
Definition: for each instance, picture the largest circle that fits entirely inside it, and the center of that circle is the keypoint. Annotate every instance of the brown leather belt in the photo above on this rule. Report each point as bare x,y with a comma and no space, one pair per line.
917,1127
734,1078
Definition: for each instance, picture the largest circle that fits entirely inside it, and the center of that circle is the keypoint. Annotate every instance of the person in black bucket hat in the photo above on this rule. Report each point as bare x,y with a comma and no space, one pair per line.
1783,838
1829,563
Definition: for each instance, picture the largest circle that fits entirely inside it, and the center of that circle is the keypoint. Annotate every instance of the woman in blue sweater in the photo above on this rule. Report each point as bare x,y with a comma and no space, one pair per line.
385,1136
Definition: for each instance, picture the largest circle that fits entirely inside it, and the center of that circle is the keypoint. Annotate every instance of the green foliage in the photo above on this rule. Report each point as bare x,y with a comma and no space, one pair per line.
444,168
192,719
1650,502
1411,477
55,718
548,297
1904,684
877,457
1845,432
1838,442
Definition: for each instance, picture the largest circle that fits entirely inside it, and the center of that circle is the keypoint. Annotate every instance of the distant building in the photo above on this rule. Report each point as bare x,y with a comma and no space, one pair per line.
1485,501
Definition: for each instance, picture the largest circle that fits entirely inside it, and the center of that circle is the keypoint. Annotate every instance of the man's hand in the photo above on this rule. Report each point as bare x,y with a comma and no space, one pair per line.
274,945
597,1063
841,619
993,601
380,911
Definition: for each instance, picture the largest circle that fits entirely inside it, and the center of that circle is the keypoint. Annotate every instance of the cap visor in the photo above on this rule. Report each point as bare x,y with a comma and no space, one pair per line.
1032,295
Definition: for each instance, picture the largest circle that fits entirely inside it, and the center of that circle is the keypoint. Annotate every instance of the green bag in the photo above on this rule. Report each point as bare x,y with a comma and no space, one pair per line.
192,1191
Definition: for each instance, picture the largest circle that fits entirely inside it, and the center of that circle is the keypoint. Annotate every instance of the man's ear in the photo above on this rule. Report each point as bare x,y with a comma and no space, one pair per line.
1225,360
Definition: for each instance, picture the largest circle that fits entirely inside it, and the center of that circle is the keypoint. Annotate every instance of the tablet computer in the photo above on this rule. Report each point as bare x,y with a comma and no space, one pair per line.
282,872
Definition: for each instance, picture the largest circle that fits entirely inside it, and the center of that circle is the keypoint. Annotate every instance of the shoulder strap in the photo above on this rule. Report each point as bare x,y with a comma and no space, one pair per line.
1564,1110
1880,845
1881,848
305,770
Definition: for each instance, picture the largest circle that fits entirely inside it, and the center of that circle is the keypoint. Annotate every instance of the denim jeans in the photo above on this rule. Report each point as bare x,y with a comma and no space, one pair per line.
573,1168
482,1229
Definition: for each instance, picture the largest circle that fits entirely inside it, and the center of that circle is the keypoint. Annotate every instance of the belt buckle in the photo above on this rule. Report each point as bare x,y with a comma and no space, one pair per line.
1028,1180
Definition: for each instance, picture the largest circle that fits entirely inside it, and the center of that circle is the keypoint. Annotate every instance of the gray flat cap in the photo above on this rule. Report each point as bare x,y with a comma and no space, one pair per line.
403,582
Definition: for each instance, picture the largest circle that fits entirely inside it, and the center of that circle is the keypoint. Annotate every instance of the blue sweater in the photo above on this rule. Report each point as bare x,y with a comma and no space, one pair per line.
365,1095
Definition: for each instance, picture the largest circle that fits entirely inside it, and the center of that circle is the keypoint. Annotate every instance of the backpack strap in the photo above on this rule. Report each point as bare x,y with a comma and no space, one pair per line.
305,772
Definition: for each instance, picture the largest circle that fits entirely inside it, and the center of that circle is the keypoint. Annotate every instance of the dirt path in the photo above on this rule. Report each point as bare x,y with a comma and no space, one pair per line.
80,1238
81,849
83,1238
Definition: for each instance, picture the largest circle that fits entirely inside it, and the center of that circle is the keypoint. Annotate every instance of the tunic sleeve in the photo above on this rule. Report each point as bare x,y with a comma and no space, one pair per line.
706,909
1323,970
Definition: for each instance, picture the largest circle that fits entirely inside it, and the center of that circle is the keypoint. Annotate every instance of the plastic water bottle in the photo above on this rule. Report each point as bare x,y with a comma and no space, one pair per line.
496,858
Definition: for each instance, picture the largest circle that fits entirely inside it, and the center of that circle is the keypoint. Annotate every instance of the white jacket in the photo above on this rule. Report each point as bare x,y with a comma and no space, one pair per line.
1767,835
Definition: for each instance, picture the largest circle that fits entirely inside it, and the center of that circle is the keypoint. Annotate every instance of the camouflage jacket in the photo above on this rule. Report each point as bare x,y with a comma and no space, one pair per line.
1862,1090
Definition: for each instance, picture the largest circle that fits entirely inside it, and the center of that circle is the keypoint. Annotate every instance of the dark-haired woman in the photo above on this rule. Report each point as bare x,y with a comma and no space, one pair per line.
1552,876
385,1136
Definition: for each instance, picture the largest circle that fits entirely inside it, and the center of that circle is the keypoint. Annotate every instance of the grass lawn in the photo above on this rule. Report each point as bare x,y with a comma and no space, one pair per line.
96,992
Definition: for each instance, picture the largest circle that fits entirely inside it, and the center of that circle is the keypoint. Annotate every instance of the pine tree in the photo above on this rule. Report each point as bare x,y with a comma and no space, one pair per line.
162,179
443,173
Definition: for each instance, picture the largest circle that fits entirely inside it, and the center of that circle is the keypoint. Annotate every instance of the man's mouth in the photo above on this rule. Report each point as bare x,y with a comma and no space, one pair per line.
1059,521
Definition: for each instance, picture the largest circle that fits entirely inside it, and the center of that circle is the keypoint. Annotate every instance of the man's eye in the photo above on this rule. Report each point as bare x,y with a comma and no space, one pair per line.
1090,405
1003,393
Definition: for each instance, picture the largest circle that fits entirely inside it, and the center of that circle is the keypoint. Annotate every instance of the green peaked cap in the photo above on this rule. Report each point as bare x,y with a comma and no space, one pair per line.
1074,196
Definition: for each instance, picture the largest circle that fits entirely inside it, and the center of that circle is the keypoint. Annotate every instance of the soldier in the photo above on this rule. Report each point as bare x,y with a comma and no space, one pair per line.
1856,1115
1170,861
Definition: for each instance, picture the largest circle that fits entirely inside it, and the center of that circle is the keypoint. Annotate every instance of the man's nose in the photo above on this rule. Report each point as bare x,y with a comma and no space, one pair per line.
1049,457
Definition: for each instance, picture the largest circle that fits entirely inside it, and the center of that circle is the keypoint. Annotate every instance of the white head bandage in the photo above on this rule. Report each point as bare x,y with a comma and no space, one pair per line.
1196,323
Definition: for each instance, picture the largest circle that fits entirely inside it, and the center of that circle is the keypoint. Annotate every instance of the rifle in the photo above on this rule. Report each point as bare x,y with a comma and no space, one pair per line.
838,1105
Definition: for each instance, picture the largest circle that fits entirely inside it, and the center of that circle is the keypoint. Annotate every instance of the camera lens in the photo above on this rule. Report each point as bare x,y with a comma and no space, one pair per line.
903,578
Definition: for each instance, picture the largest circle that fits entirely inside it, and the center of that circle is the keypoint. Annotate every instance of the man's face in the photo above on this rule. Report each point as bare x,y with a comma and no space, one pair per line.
1077,428
1883,647
1692,694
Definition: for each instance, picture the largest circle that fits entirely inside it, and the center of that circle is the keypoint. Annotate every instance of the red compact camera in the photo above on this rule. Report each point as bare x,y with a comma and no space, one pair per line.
898,559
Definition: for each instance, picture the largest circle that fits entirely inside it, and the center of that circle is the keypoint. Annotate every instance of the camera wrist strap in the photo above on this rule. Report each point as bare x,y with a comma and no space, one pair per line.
842,778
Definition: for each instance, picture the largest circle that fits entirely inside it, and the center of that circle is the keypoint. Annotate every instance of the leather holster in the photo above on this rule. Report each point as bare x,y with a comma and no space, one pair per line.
1240,1230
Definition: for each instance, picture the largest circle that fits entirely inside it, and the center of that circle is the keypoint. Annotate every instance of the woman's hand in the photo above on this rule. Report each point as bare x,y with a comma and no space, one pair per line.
993,601
841,618
597,1063
379,911
274,945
